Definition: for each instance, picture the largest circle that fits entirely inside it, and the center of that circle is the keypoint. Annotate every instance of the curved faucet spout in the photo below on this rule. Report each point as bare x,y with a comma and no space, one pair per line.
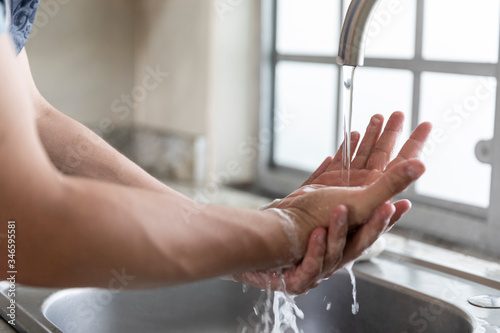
354,32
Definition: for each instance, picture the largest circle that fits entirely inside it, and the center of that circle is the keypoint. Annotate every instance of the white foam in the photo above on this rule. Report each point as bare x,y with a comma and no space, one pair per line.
355,304
271,204
277,311
308,189
288,225
285,312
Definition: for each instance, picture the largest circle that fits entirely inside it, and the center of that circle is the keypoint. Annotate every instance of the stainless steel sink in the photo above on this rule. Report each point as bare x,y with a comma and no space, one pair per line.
220,306
394,296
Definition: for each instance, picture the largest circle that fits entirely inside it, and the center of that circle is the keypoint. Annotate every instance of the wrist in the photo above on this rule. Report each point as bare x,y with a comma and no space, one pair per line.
290,247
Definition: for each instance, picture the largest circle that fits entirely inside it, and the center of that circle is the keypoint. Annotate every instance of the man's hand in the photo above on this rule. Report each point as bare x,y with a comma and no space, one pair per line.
374,154
370,163
327,251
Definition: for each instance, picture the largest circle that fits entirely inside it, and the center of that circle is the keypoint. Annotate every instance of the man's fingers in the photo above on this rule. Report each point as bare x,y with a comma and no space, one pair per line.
337,233
300,280
394,181
259,279
369,140
321,169
337,160
368,233
413,147
381,153
402,207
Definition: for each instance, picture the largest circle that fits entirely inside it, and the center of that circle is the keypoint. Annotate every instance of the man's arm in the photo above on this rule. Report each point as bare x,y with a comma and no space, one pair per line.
60,135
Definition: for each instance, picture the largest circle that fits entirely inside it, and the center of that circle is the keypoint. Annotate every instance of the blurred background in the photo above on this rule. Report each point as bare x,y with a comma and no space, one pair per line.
252,92
93,60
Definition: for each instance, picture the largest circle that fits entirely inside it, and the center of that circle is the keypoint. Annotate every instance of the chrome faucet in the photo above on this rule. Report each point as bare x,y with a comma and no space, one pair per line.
354,32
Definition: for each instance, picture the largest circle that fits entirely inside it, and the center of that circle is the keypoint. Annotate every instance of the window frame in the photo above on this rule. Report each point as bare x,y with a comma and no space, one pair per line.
474,227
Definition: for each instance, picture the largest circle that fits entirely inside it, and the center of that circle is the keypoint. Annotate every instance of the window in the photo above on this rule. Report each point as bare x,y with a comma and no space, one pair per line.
435,60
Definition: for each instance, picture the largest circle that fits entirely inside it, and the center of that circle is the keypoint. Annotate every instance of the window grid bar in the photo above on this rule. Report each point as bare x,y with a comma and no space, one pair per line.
272,105
494,210
451,206
419,31
414,65
417,76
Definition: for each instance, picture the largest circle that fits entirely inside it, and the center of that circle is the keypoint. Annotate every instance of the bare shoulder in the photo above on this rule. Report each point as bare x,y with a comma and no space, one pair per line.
15,104
21,153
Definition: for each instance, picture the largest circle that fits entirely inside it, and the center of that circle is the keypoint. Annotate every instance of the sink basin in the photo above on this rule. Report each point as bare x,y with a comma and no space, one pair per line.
221,306
396,295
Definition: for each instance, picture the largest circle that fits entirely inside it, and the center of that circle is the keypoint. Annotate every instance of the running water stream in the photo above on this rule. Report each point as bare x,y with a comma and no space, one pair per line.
277,311
347,83
347,97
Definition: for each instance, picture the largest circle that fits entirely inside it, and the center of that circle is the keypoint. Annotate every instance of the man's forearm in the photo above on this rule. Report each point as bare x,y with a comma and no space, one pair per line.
160,239
76,150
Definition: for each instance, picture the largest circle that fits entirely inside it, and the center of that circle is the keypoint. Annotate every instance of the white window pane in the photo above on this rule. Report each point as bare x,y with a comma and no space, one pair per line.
461,30
305,108
462,110
392,29
308,27
381,91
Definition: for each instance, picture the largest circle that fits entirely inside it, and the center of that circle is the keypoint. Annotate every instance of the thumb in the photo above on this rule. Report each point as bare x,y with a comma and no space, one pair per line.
394,181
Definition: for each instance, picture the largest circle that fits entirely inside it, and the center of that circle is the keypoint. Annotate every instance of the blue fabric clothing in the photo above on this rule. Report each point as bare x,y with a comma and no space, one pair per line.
22,16
3,19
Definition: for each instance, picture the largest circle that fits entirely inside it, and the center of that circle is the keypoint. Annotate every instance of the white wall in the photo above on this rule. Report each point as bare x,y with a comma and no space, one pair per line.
82,55
88,53
235,86
211,53
174,35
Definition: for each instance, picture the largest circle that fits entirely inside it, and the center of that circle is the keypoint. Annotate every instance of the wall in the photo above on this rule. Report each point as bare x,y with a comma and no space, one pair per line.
211,53
174,35
235,87
86,54
82,55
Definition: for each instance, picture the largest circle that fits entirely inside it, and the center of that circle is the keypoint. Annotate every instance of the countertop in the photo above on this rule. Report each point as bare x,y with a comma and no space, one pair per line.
223,196
4,327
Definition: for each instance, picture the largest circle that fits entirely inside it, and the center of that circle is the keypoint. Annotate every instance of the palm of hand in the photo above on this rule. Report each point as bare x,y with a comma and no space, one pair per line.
357,178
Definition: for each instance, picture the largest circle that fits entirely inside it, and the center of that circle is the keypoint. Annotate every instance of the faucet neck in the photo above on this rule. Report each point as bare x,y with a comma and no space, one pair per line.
354,32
